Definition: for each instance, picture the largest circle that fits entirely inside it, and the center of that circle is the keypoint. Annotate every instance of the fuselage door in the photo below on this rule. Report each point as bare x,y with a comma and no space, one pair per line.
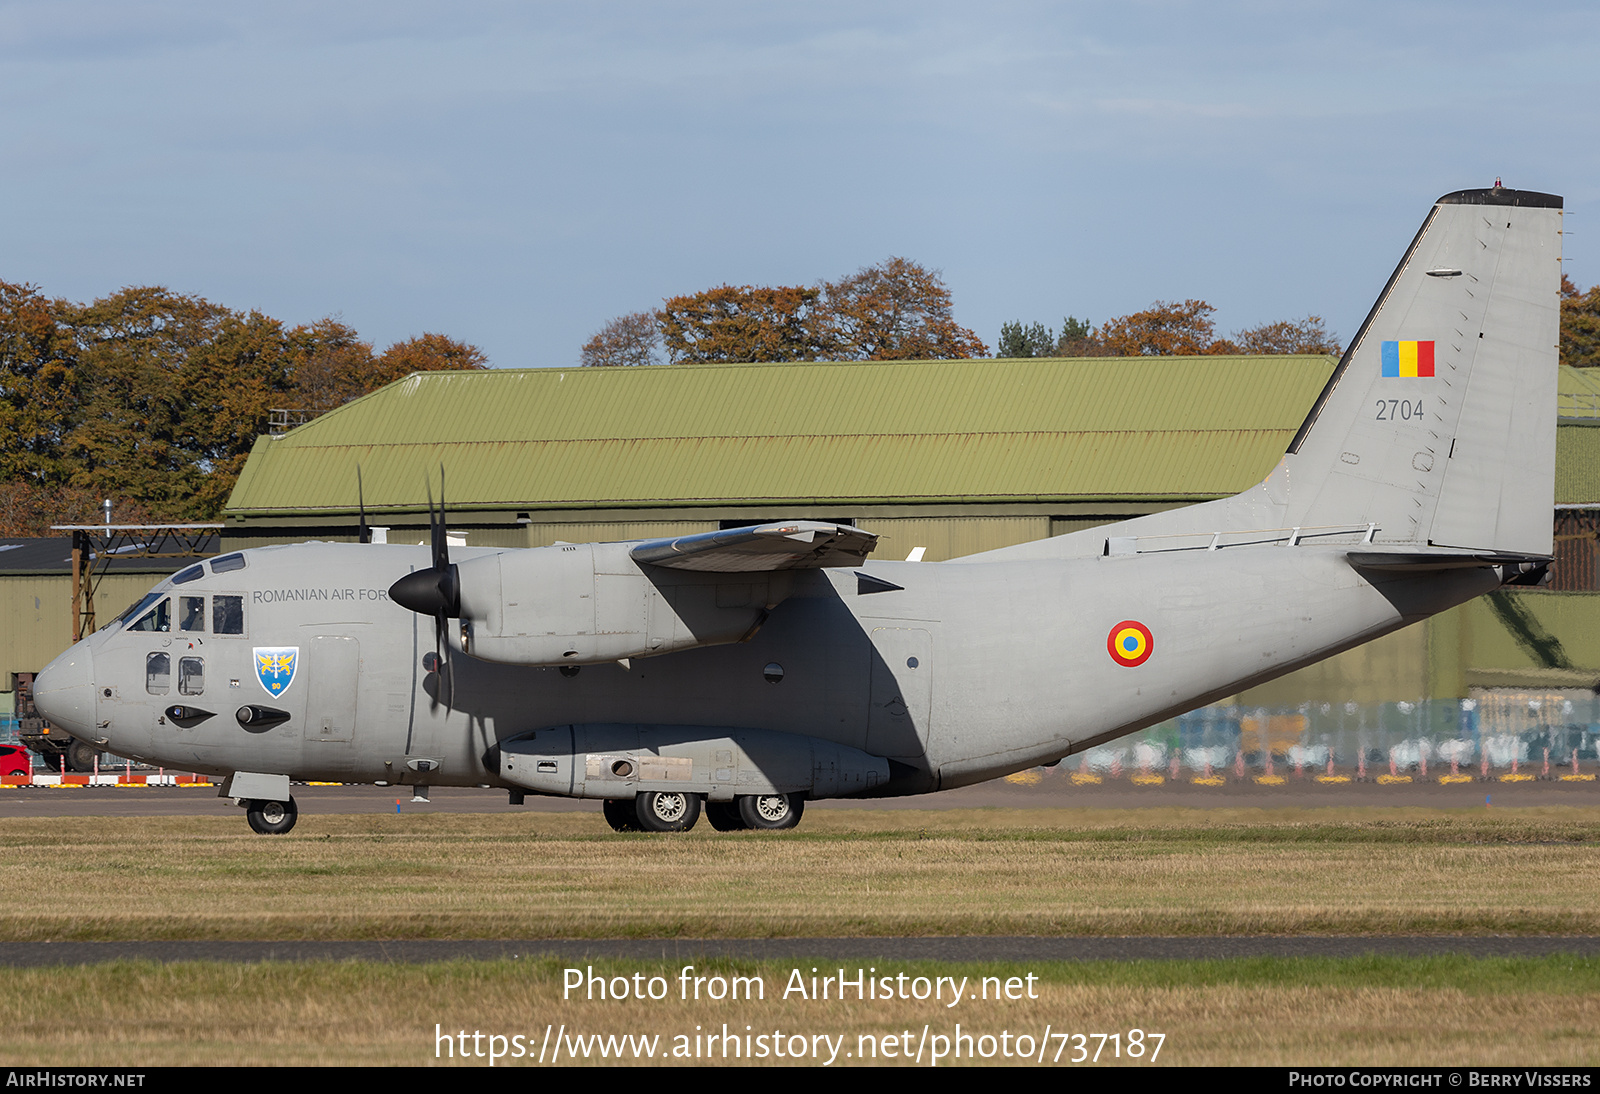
902,692
334,664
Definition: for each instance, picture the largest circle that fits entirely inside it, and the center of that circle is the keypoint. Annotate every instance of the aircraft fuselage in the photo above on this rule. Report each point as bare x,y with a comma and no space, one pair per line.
965,673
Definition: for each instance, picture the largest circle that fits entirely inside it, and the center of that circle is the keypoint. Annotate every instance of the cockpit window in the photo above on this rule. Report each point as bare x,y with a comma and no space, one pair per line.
191,613
227,615
227,563
193,573
136,607
158,618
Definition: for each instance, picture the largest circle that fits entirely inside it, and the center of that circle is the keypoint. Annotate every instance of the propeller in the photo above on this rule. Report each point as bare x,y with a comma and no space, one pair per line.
435,591
364,533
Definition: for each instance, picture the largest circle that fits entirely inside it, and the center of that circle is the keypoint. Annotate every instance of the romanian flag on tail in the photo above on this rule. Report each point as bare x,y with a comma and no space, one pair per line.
1408,358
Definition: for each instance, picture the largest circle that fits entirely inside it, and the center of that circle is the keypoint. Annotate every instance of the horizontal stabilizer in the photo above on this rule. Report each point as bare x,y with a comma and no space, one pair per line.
792,545
1427,561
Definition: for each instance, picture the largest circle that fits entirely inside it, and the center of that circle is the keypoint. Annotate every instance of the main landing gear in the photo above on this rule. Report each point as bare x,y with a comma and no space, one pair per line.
676,811
654,811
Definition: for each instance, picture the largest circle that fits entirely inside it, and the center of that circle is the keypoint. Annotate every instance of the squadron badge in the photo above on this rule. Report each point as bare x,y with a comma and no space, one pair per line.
275,667
1130,643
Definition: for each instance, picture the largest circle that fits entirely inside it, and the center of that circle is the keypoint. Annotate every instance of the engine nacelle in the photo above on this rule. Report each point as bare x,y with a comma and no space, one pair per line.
576,604
621,761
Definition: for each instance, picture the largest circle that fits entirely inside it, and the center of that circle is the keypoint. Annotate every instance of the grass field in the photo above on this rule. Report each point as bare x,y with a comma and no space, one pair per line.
1368,1011
845,873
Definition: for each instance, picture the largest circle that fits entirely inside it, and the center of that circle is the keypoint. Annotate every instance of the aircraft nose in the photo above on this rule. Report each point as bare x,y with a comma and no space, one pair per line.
64,691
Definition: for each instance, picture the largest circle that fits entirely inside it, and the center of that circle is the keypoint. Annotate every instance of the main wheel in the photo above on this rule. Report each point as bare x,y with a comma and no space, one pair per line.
724,816
771,810
619,814
271,818
667,810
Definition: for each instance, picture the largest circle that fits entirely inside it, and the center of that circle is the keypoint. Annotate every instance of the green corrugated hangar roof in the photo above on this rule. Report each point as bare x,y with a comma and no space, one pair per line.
894,432
898,432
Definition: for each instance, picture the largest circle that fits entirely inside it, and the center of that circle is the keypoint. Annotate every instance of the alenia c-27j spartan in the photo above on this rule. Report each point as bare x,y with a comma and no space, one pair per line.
748,671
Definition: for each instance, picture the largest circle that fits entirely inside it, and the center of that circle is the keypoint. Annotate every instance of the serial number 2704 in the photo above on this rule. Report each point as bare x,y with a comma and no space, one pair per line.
1396,410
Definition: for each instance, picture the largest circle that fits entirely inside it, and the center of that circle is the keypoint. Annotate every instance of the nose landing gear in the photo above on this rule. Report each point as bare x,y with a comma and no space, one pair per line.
270,818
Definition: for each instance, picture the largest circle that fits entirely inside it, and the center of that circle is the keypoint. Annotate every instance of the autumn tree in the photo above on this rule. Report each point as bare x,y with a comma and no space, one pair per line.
895,311
28,509
38,370
627,340
744,324
1306,335
331,364
1161,330
427,352
154,398
1580,325
1186,329
136,426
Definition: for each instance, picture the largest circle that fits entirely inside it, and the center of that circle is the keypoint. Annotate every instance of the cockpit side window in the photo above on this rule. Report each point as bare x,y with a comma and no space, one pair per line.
191,613
157,673
193,573
191,676
158,618
227,615
226,563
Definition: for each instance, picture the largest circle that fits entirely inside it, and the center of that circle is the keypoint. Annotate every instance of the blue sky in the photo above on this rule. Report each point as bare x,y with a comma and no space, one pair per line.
516,174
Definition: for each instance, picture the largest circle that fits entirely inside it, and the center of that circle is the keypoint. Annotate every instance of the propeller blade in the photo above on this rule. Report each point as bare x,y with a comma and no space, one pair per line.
436,526
364,533
435,592
446,671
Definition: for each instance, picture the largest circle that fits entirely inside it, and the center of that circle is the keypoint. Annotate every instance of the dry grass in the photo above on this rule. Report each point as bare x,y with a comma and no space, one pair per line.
1049,872
1368,1011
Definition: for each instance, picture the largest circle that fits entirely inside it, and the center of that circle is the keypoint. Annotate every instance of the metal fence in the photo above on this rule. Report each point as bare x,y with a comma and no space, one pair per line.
1490,733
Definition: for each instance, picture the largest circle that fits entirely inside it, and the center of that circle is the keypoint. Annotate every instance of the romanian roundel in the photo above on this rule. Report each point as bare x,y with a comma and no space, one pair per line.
1130,643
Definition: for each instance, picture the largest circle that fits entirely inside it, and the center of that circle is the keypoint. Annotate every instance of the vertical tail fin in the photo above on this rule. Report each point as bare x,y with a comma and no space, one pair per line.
1439,422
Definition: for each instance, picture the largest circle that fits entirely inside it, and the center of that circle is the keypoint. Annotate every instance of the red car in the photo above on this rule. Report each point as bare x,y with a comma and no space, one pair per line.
15,760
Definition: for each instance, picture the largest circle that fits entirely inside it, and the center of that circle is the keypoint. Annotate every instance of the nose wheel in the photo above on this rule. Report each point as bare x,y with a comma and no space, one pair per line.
271,818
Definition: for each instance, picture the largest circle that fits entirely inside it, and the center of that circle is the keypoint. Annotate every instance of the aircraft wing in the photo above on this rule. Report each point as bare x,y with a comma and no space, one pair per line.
790,545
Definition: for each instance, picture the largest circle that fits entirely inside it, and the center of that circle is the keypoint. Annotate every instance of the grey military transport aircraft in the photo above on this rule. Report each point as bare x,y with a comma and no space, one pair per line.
748,671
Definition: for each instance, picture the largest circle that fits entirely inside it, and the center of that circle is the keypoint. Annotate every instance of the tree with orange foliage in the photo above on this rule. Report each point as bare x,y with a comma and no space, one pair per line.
897,310
1580,325
1161,330
747,323
38,382
1185,329
154,398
